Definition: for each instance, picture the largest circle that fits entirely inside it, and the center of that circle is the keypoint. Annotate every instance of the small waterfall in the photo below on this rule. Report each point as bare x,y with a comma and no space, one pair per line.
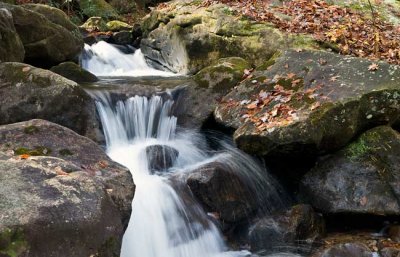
104,59
166,221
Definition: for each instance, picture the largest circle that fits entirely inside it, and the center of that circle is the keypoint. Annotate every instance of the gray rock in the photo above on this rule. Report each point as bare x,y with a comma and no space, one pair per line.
161,157
11,47
74,72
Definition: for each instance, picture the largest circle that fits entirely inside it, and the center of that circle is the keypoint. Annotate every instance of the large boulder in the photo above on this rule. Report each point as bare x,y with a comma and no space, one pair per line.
47,203
28,92
310,102
362,178
74,72
117,25
298,226
43,138
222,191
46,43
185,36
11,47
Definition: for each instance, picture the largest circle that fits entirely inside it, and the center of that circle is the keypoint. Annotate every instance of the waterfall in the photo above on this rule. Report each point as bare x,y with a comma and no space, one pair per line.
104,59
166,221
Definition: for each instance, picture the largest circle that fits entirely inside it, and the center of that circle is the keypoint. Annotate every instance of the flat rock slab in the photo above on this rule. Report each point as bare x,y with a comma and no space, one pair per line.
310,101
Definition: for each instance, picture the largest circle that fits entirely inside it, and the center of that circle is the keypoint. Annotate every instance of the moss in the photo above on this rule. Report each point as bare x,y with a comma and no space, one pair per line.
271,61
31,130
37,151
357,149
13,243
109,248
65,152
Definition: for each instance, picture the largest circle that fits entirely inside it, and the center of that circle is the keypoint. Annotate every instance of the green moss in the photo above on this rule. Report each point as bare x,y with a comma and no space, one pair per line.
65,152
37,151
31,130
358,149
13,243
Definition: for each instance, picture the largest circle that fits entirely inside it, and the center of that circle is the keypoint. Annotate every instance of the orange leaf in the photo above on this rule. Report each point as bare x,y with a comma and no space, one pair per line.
24,156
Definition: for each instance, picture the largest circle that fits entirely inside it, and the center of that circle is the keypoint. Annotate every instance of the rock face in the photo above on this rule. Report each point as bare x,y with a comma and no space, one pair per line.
11,47
310,102
363,178
28,92
47,41
161,157
58,188
220,190
185,37
223,75
43,138
74,72
346,250
298,226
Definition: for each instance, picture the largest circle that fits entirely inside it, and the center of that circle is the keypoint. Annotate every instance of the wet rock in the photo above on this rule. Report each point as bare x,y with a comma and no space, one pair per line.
46,43
394,233
299,226
309,102
185,37
43,138
390,252
346,250
28,92
47,203
363,178
121,38
222,191
116,26
223,75
161,157
74,72
11,47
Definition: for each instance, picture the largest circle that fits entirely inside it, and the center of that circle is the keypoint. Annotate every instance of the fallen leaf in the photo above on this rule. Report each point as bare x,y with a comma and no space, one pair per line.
373,67
25,69
60,172
315,105
24,156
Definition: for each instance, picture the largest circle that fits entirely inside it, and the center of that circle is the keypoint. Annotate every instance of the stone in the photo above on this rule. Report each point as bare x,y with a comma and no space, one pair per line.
185,37
116,26
309,102
346,250
28,92
299,224
222,191
362,178
161,157
74,72
11,47
121,38
43,138
223,75
95,23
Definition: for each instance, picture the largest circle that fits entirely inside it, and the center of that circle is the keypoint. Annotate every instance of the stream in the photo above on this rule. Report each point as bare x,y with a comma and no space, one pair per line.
167,221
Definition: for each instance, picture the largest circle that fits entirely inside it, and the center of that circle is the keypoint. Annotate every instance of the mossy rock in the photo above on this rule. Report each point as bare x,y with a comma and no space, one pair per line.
223,75
95,23
118,26
11,47
185,37
13,242
362,178
74,72
99,8
332,99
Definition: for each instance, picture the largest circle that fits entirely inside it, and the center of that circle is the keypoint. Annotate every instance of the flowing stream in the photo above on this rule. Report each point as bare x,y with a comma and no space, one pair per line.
166,220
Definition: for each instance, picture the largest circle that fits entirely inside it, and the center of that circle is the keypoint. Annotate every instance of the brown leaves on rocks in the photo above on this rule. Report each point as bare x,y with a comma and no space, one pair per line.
348,31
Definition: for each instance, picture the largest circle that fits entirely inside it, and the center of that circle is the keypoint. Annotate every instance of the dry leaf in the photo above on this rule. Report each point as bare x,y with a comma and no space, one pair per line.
373,67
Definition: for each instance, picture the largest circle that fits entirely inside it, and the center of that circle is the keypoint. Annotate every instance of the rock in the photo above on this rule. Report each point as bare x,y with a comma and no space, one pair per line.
47,202
394,233
121,38
43,138
11,47
346,250
362,178
74,72
185,37
46,43
54,15
99,8
309,102
116,26
223,75
222,191
161,157
95,24
390,252
28,92
299,225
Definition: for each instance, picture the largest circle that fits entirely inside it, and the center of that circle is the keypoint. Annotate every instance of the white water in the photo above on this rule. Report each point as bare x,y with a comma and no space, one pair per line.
165,222
103,59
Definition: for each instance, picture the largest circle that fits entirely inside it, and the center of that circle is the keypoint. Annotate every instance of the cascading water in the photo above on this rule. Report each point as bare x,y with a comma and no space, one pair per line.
166,220
103,59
